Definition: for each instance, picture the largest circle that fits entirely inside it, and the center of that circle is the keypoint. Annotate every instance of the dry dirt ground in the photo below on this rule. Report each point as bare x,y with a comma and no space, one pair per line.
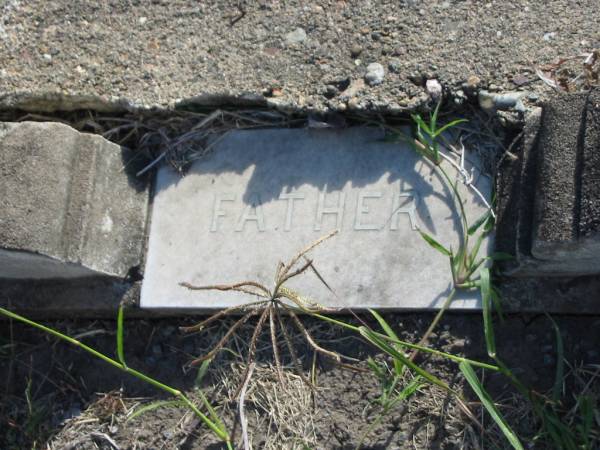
56,396
299,55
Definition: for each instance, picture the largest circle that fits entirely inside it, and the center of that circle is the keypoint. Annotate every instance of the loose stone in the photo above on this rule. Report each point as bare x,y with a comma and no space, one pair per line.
355,51
434,88
296,37
375,74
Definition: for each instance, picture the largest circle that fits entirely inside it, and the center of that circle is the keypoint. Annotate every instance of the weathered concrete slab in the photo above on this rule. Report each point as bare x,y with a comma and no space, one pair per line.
566,188
153,53
264,195
68,207
549,214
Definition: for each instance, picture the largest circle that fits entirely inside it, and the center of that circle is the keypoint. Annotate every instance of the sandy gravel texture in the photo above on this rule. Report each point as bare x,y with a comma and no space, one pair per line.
298,55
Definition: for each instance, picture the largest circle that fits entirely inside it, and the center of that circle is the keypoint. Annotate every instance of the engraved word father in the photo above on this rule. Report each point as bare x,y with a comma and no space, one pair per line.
228,214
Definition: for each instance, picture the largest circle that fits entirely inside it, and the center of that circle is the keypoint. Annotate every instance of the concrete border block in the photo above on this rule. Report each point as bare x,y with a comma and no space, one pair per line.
69,209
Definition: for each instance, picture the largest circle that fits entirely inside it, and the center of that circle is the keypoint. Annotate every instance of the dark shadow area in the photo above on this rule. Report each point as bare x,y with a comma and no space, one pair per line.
282,161
134,162
67,381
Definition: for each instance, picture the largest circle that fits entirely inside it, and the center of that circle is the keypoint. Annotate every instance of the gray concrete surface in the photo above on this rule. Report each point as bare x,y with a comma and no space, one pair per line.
262,196
567,219
303,56
68,206
549,197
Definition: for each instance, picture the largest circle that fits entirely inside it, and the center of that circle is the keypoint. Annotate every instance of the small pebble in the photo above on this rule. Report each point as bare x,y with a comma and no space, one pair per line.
330,91
473,82
356,50
375,74
459,97
492,102
434,88
296,37
394,66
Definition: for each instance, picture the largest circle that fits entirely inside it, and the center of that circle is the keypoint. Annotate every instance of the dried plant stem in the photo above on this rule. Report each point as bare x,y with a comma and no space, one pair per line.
310,340
276,357
243,421
225,338
292,350
220,315
434,323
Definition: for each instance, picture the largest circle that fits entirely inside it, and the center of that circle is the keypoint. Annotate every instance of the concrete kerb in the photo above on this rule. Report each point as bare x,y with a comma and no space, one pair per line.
516,298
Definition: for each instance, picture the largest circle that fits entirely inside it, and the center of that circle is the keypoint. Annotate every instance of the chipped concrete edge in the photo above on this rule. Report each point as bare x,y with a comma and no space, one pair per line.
57,102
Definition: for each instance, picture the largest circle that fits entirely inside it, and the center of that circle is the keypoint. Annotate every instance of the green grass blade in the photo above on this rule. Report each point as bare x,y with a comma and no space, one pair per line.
375,368
560,362
384,325
405,344
421,123
202,371
486,297
474,252
448,126
435,244
220,432
384,346
212,413
398,366
120,332
586,406
478,223
487,402
156,405
497,303
561,434
410,389
433,118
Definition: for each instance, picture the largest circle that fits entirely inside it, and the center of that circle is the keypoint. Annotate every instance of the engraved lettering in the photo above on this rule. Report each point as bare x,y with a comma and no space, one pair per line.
338,210
362,209
252,213
217,211
400,208
290,197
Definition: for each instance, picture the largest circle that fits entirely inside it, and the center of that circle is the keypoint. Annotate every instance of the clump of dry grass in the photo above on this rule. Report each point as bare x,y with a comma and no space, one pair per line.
272,305
280,414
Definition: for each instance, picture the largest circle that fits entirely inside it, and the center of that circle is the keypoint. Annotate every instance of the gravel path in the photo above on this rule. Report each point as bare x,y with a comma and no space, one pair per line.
295,55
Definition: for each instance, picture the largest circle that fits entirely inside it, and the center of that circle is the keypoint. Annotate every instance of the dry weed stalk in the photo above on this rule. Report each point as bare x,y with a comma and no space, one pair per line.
272,303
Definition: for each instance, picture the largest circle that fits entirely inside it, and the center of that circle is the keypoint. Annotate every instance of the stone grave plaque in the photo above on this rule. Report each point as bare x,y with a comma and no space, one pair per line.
262,196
